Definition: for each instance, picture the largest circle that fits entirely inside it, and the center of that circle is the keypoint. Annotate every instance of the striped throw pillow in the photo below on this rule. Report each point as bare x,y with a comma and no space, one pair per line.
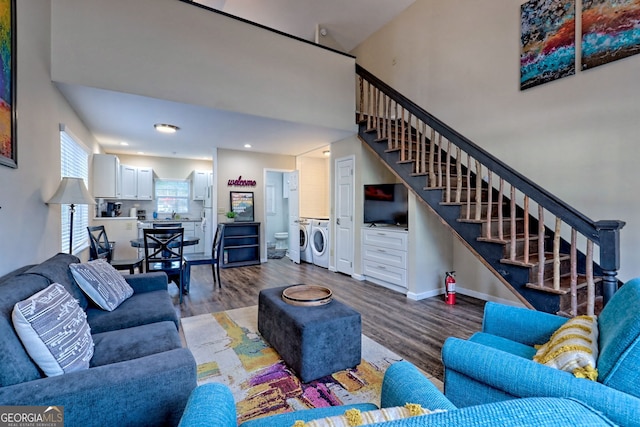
573,348
354,417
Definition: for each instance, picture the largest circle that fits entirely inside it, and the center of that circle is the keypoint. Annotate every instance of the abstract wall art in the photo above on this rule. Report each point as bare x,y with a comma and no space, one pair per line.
610,31
547,41
8,147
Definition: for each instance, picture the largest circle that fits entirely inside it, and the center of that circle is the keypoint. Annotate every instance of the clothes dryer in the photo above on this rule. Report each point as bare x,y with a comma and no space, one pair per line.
306,253
320,242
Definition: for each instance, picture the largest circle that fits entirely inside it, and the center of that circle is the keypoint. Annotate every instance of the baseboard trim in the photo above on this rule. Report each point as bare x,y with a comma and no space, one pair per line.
463,291
423,295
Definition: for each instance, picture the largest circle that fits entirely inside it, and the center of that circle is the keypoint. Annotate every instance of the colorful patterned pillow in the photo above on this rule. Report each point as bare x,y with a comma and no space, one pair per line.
354,417
102,283
54,331
573,348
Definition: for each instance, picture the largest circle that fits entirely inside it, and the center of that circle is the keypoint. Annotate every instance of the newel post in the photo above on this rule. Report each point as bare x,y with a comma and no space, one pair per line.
609,234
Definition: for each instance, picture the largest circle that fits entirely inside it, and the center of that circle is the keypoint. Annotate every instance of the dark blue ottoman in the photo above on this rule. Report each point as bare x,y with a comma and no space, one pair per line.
314,341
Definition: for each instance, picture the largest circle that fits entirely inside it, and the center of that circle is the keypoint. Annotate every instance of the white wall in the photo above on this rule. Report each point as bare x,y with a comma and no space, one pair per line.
29,229
232,164
576,137
314,186
172,50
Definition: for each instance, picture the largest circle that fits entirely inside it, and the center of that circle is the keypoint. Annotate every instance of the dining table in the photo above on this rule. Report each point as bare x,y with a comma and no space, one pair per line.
186,241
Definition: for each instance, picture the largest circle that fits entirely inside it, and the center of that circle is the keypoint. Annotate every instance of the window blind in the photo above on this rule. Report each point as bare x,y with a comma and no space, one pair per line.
74,162
172,196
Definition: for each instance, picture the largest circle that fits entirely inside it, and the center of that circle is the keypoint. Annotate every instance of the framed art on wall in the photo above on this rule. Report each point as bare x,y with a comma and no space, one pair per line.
610,31
547,41
242,205
8,145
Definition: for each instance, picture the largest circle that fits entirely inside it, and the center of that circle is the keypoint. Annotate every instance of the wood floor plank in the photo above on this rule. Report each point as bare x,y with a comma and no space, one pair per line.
415,330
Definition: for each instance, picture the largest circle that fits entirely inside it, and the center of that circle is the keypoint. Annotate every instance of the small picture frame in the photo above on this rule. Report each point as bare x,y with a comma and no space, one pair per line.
242,205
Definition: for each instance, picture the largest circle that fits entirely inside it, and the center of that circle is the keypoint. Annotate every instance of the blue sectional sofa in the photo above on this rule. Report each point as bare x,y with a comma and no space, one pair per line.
496,364
139,374
212,405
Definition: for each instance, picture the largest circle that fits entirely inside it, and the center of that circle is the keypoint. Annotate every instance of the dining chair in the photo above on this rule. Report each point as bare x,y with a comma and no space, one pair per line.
204,258
101,247
163,251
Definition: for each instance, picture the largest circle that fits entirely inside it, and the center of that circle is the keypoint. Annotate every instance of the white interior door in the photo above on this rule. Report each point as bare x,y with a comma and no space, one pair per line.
344,216
293,179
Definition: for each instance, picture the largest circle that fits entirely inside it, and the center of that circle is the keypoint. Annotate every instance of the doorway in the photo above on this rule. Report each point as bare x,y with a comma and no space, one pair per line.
276,214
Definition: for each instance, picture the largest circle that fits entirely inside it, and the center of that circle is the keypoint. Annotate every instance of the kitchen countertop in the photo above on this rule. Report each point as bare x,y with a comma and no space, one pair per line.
188,219
111,218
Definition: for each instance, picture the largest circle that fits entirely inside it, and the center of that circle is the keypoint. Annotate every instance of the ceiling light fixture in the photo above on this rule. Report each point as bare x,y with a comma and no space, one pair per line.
166,128
247,145
326,153
125,143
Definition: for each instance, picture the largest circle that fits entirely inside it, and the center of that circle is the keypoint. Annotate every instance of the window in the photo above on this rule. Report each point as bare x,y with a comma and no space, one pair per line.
172,196
74,162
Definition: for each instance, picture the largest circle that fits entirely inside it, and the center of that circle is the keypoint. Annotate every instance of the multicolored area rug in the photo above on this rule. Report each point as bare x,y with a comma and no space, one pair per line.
228,349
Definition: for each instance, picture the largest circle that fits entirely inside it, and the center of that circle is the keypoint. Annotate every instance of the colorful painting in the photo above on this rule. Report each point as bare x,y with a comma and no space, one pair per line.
547,38
8,154
610,31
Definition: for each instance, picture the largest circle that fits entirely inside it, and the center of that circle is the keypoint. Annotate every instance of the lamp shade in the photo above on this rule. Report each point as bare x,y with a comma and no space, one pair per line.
72,191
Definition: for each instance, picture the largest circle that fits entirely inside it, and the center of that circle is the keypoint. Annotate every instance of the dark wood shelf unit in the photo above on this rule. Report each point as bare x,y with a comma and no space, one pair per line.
240,244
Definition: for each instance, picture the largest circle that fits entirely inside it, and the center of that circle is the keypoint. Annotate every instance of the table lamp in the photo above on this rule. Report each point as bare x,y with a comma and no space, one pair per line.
72,192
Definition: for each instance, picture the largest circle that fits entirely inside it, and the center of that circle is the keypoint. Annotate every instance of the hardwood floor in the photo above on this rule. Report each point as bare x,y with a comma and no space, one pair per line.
414,330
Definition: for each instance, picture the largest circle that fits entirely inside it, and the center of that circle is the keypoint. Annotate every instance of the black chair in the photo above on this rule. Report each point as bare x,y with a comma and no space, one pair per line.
203,258
163,251
101,247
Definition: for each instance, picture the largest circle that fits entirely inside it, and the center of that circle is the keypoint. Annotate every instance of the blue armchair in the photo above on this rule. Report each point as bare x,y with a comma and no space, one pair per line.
212,405
496,364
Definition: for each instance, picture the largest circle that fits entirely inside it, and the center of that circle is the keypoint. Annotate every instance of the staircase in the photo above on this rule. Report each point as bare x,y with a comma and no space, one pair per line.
537,245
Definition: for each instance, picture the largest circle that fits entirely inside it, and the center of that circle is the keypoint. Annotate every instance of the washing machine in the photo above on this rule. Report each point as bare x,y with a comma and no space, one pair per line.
320,242
306,254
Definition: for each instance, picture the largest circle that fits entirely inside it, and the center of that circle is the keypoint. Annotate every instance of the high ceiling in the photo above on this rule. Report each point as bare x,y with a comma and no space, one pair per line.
115,118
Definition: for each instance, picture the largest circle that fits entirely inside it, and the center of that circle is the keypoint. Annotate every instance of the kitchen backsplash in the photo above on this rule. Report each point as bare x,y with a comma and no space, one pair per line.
195,208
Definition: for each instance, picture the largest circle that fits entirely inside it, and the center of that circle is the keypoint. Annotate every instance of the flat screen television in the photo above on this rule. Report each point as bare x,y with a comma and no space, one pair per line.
386,204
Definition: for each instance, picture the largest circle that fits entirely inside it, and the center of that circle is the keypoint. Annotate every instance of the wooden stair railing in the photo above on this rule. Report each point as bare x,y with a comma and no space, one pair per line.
538,231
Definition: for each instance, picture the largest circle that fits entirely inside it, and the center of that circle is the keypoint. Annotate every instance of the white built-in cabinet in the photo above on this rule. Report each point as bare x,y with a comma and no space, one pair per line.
193,228
106,176
111,180
200,180
145,184
199,233
384,256
137,183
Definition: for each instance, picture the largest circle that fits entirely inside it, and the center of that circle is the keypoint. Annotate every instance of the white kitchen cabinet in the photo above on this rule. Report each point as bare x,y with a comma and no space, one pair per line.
145,183
200,180
129,182
384,257
189,230
137,183
106,176
199,233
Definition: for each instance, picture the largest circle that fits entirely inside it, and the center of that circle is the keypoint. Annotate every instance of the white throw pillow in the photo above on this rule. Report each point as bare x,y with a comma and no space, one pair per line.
54,331
102,283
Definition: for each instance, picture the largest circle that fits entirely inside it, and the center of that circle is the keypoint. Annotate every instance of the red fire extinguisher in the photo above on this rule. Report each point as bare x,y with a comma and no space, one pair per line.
450,288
